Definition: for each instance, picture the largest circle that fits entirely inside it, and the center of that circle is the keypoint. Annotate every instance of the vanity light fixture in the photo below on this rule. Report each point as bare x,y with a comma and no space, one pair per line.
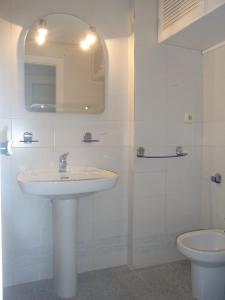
42,32
40,40
91,36
85,45
89,40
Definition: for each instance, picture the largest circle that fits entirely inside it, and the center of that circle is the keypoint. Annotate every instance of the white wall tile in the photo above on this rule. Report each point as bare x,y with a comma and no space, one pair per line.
183,98
183,175
149,134
213,133
109,133
213,138
42,132
206,204
151,165
110,158
151,106
149,216
116,107
6,70
180,133
150,71
182,213
149,184
118,60
58,133
168,84
107,228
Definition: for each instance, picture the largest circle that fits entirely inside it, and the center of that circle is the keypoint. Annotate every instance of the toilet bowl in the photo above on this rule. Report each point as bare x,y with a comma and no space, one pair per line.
206,251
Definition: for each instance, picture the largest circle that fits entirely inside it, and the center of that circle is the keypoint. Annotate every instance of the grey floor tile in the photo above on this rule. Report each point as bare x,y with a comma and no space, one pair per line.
170,281
181,275
166,282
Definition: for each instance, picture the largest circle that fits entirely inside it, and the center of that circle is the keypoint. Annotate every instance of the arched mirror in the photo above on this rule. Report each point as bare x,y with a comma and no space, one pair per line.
64,66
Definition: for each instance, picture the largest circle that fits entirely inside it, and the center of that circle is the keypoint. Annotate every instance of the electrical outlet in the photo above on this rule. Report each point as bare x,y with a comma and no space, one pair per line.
188,118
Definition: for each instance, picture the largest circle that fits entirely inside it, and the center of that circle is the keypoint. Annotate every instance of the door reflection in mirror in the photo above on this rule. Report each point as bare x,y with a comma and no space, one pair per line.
61,75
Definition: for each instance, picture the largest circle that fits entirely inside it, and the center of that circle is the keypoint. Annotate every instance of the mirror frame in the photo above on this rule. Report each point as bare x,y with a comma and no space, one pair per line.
21,55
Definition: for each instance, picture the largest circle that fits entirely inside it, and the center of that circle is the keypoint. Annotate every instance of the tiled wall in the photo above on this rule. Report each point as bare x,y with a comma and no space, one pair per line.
102,217
213,202
167,192
164,195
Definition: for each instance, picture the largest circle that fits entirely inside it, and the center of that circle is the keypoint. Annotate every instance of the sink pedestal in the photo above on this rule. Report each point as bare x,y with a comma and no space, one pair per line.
64,189
64,241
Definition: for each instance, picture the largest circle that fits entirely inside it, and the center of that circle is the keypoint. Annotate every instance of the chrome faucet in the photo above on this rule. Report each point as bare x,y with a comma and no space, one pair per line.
63,162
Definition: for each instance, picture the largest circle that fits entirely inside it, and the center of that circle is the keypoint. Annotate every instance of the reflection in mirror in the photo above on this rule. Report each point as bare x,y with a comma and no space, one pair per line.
64,66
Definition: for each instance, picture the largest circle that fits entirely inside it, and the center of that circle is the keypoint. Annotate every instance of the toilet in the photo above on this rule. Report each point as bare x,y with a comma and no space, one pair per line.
206,251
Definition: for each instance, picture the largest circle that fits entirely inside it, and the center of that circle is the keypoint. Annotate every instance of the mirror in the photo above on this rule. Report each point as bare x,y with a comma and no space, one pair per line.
64,66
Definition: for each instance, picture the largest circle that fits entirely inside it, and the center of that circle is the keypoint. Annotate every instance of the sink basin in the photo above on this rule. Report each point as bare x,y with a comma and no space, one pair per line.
68,186
77,180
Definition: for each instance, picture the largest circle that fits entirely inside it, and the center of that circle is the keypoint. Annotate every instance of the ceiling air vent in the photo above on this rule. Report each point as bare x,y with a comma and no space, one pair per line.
174,10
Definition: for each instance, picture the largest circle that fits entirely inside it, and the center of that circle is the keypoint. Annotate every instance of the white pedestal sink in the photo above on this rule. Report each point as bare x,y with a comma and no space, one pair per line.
64,189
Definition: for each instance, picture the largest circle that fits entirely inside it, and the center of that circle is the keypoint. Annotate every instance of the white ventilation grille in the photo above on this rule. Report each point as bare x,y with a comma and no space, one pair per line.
173,10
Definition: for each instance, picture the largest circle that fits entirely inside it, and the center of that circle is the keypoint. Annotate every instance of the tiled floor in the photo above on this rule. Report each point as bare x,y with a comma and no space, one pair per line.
166,282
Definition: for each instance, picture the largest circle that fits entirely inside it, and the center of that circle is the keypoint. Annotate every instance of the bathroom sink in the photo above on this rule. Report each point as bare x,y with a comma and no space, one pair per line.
68,186
77,180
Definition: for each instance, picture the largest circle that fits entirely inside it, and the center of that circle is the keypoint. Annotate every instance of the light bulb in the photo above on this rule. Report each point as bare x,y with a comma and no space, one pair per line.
91,38
85,45
40,39
42,31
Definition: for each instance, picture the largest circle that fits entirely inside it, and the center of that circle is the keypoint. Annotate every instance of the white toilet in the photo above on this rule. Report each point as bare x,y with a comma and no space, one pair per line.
206,250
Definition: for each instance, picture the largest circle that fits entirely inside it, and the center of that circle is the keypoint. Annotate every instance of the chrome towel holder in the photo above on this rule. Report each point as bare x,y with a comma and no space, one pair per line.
28,138
179,153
